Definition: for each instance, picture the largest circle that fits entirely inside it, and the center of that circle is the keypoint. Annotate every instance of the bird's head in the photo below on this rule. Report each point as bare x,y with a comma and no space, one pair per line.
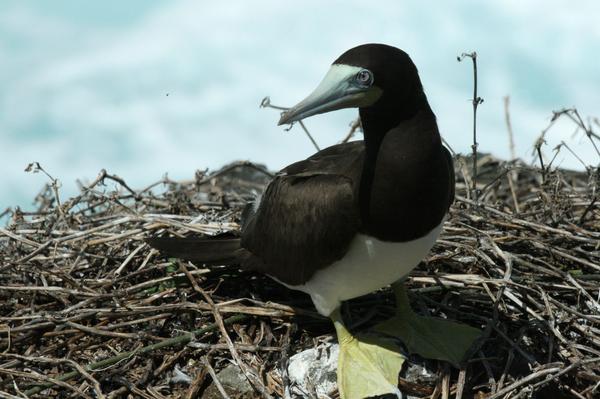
366,76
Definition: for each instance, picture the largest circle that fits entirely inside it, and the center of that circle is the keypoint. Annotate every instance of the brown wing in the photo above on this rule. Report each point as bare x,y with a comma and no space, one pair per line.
307,216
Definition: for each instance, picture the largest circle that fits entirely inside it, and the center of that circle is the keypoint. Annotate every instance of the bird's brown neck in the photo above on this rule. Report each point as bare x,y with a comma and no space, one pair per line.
389,135
378,120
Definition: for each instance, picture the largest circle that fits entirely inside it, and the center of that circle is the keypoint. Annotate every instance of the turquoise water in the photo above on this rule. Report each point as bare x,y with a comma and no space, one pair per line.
143,88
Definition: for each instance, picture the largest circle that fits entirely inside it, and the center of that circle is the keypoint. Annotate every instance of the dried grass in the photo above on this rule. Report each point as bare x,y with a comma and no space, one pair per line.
88,309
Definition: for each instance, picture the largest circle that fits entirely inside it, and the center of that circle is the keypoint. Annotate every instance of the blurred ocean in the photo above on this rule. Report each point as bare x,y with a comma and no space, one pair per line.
145,88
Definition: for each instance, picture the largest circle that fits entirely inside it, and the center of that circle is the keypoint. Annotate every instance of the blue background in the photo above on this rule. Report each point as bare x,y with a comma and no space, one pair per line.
142,88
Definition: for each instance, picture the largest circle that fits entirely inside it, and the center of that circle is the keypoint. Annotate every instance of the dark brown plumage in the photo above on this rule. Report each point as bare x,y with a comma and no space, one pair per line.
396,185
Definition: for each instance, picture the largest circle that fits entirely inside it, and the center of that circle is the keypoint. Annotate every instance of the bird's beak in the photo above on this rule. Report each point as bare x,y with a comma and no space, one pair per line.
337,90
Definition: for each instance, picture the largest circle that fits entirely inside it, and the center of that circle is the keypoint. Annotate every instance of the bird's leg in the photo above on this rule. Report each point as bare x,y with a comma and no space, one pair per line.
344,336
430,337
366,366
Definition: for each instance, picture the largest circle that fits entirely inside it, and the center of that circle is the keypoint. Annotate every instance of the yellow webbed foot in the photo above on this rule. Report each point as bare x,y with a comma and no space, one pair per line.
431,338
367,366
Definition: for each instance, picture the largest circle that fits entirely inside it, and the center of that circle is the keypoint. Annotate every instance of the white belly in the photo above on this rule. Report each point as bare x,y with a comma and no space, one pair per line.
368,265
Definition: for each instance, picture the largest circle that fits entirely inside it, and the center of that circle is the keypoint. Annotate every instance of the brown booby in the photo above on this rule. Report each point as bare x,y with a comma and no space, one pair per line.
353,217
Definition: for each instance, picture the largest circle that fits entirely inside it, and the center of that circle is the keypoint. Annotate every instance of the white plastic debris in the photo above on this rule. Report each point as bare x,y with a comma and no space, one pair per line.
314,371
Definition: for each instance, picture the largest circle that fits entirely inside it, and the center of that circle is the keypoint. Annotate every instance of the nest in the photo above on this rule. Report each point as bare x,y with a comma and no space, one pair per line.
89,310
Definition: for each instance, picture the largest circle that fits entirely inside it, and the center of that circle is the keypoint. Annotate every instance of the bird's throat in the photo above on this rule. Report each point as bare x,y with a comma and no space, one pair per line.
383,154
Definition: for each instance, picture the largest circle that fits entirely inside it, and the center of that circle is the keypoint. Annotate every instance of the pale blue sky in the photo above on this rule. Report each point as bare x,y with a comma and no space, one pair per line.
84,84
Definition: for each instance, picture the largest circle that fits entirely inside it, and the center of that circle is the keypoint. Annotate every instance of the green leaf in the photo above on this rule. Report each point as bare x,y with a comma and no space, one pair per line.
151,290
173,266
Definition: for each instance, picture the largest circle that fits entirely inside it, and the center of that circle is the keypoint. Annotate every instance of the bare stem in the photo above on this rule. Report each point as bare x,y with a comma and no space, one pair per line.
266,103
180,340
310,137
354,126
475,101
511,139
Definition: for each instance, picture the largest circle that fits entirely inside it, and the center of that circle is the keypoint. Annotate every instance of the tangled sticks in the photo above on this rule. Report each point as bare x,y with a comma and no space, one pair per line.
79,287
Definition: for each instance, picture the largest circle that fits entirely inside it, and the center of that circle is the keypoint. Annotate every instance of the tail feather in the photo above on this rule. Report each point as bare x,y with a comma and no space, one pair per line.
215,251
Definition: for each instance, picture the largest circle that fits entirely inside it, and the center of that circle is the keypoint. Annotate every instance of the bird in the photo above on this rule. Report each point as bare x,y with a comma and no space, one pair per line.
353,217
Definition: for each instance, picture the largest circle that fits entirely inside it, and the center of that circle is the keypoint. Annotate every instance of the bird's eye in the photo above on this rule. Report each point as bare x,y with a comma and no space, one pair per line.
364,78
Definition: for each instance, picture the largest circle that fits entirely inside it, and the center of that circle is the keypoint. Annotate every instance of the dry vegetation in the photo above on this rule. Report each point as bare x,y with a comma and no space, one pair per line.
87,309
